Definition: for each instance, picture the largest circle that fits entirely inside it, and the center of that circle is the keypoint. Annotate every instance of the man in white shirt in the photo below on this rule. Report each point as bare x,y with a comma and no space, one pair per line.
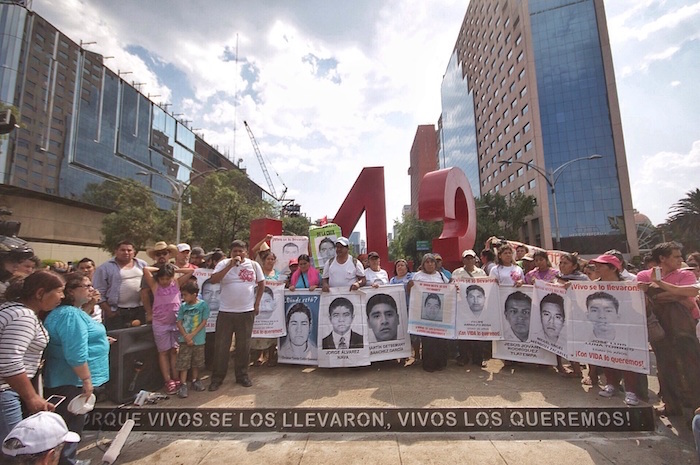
343,270
469,270
242,286
375,275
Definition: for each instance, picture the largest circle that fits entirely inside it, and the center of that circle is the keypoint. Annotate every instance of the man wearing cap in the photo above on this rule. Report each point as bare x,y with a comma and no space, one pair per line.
469,270
375,276
197,256
119,282
624,274
161,253
440,268
38,440
182,258
344,270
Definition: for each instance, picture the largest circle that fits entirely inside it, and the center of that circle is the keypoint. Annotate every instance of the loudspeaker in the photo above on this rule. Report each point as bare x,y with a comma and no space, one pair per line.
133,363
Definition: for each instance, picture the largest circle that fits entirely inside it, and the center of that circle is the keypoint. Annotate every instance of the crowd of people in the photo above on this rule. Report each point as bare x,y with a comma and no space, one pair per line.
54,322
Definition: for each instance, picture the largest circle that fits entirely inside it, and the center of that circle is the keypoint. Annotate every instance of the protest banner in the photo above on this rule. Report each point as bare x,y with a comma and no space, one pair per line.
269,322
286,248
209,292
432,310
323,243
387,321
517,344
551,308
301,320
342,330
607,326
478,309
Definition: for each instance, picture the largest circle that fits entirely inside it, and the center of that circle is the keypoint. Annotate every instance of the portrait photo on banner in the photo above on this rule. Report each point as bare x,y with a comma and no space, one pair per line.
298,347
550,307
432,310
286,248
323,243
518,344
342,330
208,292
608,325
387,321
269,322
478,309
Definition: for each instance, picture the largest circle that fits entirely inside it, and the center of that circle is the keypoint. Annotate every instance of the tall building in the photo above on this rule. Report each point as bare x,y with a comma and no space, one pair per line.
82,125
423,159
539,76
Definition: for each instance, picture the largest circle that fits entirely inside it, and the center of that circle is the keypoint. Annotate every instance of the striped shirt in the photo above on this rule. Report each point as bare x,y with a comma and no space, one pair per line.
22,341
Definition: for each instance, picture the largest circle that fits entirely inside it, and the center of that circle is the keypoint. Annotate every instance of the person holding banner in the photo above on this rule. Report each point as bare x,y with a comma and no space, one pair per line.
435,350
306,276
598,305
344,270
507,272
469,270
543,269
263,349
375,275
570,270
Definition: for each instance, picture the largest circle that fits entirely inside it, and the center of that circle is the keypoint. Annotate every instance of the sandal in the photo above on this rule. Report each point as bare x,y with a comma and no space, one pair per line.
171,387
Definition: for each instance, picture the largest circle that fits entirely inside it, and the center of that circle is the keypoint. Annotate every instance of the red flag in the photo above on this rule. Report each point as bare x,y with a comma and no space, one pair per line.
324,220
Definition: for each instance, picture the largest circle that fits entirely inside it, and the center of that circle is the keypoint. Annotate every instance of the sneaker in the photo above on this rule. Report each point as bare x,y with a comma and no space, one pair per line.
607,391
197,385
170,387
182,391
631,399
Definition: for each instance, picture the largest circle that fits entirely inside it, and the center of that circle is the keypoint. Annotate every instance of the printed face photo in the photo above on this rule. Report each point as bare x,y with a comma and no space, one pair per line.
267,304
298,328
517,314
210,294
602,310
341,319
326,250
289,250
552,316
432,308
476,299
383,318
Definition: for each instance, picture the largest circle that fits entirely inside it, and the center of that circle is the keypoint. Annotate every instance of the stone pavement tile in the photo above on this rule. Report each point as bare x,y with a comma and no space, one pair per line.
436,396
351,449
455,449
331,396
551,452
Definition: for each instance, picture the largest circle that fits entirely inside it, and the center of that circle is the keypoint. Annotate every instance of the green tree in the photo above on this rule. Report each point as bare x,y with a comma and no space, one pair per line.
499,216
135,217
684,222
408,232
296,225
222,208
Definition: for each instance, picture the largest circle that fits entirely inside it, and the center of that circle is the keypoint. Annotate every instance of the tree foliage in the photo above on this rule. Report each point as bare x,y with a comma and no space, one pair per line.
296,225
222,208
684,223
499,216
135,217
408,232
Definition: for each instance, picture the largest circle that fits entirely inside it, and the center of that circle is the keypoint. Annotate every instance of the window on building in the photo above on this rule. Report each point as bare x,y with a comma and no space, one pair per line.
511,70
526,108
510,54
519,39
514,103
521,74
531,184
509,144
521,189
507,128
526,128
520,171
515,120
518,154
504,182
523,92
516,137
528,146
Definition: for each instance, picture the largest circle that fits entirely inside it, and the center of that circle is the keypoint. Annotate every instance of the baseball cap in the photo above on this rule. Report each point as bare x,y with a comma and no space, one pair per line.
529,257
373,255
437,256
342,241
469,253
609,260
182,247
38,433
293,261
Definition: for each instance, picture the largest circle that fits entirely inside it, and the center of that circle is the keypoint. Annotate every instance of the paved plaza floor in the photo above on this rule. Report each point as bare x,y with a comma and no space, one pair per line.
390,385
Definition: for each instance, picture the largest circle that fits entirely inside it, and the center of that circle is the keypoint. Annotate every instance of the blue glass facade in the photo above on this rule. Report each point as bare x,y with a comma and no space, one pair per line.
458,130
575,122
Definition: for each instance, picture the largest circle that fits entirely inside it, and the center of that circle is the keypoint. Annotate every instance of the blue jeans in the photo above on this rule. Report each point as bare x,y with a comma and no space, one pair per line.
696,433
10,412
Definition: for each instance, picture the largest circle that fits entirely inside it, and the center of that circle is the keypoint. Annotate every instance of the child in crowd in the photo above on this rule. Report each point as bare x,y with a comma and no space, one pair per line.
191,320
166,303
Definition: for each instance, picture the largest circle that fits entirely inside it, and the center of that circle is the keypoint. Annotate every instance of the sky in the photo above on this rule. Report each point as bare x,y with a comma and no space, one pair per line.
331,86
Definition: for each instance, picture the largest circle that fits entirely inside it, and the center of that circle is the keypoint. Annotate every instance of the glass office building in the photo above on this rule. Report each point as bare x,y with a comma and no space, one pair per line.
83,125
543,91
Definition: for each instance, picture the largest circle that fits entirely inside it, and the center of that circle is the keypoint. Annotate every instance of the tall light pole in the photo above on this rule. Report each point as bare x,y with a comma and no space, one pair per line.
552,176
179,187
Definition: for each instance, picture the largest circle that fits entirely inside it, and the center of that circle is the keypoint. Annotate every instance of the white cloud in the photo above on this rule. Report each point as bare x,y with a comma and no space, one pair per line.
675,83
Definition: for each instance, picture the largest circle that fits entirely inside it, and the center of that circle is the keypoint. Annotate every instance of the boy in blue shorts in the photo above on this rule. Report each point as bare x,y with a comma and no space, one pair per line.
191,319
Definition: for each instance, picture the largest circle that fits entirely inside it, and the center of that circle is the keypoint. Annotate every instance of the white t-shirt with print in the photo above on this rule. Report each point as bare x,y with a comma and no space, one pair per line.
239,285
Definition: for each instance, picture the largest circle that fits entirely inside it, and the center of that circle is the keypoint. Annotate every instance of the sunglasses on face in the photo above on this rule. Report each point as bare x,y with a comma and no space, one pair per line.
162,254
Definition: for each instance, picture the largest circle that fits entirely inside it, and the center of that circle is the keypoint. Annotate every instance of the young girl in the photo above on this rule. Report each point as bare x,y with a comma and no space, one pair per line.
166,303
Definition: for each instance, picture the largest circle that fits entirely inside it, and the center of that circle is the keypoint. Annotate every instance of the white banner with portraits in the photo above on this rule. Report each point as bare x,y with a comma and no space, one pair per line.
478,309
432,310
269,322
607,325
286,248
387,322
299,346
322,240
342,330
208,292
548,318
518,343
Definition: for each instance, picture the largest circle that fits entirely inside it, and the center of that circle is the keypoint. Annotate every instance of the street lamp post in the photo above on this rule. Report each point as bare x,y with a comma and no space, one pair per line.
179,187
552,176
